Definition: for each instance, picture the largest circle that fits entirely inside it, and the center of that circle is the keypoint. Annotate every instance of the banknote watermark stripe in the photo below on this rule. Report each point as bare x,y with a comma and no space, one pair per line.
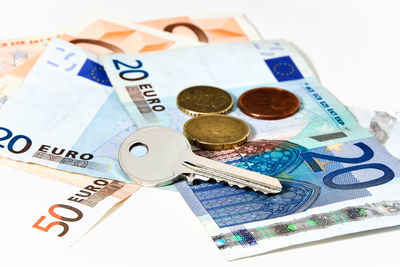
242,237
141,103
70,161
106,191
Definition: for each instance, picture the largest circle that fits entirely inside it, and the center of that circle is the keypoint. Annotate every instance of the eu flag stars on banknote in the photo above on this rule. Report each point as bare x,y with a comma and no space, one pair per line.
94,72
284,69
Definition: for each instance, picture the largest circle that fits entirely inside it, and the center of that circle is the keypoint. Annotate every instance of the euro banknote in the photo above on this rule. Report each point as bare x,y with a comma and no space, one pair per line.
336,177
207,29
60,212
147,85
72,119
327,191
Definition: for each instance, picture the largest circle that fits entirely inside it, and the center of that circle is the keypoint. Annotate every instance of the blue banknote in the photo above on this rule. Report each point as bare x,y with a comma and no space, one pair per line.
66,115
148,84
309,178
326,176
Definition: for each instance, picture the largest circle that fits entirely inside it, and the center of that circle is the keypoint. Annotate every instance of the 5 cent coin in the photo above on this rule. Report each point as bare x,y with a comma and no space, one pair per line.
216,132
268,103
201,100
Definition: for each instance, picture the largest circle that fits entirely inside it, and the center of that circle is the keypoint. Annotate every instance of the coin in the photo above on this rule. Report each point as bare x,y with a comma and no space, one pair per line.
216,132
268,103
201,100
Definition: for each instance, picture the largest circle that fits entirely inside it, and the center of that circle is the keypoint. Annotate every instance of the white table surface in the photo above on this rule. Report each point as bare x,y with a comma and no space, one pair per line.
353,45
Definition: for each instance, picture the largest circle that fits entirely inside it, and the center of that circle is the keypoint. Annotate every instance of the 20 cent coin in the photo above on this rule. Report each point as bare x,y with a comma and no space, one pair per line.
216,132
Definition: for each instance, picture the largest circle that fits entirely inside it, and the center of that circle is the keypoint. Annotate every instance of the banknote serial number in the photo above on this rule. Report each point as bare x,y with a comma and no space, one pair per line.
18,144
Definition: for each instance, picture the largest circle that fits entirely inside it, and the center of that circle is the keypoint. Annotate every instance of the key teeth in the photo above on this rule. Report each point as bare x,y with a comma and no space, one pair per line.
201,174
267,190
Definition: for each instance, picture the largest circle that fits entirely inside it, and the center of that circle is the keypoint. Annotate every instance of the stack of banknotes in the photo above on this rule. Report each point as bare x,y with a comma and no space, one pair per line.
68,100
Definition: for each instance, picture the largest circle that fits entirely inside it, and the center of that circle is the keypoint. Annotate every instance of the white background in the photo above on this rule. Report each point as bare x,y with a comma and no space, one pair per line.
354,47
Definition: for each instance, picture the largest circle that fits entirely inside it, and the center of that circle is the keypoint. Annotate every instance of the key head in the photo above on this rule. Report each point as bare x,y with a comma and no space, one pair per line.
161,165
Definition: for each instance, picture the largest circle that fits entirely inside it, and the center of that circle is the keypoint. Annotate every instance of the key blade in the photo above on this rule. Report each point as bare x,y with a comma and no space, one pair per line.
269,185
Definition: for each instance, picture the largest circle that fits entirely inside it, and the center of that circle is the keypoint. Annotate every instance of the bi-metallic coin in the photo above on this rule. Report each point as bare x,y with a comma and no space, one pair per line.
268,103
202,100
216,132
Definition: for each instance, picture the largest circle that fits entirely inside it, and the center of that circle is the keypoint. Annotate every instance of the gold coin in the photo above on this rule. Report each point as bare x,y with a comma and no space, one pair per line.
202,100
216,132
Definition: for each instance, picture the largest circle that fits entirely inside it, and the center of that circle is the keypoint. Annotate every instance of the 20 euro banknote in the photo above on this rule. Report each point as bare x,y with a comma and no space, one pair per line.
66,115
327,191
147,85
337,179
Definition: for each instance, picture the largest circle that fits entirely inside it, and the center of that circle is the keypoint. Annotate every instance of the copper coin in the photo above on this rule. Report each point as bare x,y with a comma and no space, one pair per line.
268,103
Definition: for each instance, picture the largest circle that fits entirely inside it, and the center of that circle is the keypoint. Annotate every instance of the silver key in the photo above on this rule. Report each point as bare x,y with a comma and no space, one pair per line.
169,157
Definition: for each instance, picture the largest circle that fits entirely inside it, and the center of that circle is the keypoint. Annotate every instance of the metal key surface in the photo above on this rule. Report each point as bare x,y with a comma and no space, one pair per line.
169,157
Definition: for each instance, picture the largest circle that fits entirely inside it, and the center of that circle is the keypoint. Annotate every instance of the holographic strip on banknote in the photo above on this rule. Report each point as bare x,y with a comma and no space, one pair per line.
249,237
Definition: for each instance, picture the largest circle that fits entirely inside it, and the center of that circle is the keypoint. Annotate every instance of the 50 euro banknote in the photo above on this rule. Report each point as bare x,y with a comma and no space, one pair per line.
336,177
61,209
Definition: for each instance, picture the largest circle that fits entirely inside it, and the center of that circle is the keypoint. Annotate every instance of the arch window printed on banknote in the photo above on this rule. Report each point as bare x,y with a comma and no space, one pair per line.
327,164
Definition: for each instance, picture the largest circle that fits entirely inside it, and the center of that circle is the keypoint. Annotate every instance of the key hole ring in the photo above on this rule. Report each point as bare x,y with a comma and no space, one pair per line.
138,150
